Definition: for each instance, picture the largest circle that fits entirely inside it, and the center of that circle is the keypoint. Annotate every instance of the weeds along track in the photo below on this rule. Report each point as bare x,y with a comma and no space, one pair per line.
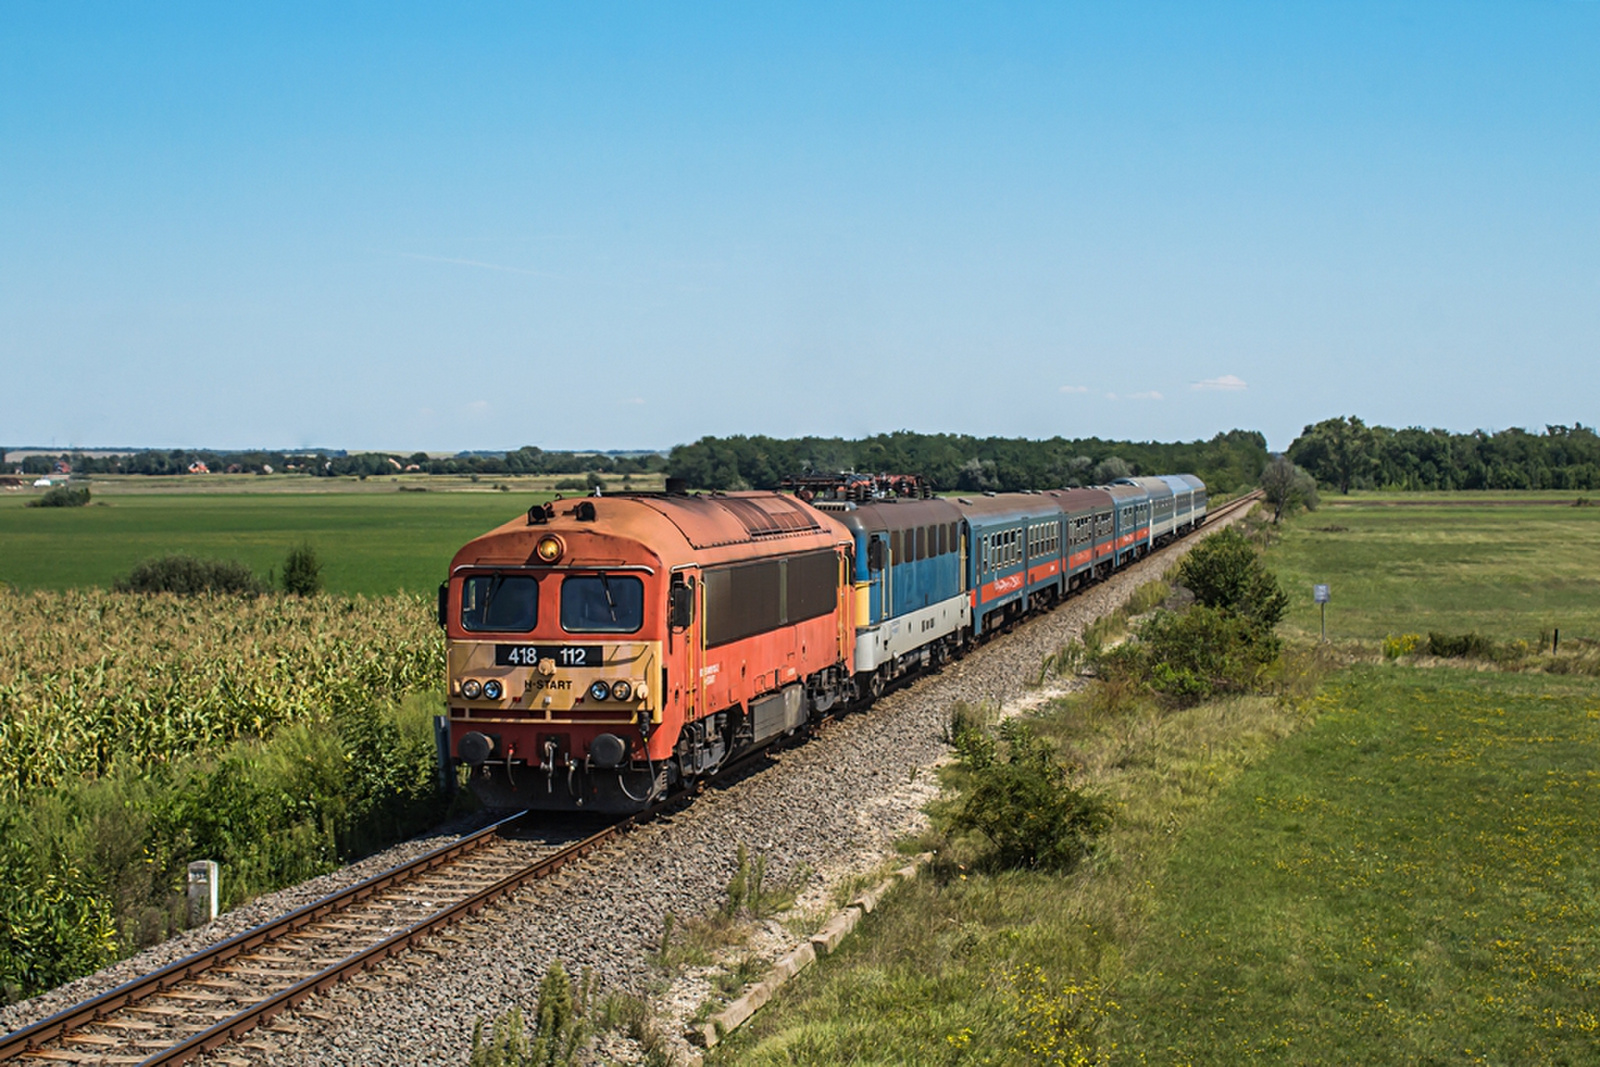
804,807
218,994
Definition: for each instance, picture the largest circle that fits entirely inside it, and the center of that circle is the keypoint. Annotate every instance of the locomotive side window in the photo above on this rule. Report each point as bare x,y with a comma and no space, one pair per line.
811,583
602,604
754,598
922,542
502,603
742,601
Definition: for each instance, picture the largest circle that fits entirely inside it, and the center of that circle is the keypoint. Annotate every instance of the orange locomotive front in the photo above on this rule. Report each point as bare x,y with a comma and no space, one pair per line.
607,650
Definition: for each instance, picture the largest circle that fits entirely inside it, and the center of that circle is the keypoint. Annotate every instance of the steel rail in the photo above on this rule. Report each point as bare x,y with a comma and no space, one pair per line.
191,966
256,1014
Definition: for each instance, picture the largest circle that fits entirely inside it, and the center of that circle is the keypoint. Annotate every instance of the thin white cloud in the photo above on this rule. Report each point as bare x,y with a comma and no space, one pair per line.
1226,383
1074,388
1151,395
475,263
1111,396
634,400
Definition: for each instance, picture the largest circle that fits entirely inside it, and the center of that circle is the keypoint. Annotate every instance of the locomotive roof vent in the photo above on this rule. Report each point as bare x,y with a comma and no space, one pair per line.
584,512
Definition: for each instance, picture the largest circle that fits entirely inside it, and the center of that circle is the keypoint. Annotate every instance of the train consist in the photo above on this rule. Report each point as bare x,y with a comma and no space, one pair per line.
604,651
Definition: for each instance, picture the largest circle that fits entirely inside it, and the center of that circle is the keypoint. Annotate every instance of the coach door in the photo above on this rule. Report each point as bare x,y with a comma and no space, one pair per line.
686,653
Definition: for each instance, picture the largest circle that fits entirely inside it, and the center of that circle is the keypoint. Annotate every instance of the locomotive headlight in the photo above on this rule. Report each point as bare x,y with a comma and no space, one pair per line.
621,690
493,690
599,691
471,689
549,548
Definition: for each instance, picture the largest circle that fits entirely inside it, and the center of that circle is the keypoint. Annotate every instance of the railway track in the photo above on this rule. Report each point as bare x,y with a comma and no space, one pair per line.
205,1000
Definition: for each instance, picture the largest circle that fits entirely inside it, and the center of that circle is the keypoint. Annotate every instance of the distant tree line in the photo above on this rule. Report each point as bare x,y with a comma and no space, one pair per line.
526,460
1229,461
1345,454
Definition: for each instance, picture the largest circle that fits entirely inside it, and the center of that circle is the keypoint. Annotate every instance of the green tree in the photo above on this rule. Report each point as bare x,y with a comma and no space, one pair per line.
1338,451
302,571
1287,487
1224,571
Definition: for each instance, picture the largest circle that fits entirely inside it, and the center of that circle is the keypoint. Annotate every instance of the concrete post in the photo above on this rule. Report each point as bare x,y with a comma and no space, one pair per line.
203,879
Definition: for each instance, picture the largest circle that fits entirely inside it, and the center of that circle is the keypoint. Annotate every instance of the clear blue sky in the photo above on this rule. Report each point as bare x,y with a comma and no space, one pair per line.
616,226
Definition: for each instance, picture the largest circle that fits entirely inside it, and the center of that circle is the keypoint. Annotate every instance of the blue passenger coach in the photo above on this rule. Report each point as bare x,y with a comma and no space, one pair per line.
910,590
1016,565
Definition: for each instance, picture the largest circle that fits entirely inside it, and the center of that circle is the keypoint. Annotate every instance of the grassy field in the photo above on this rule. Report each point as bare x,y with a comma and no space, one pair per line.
1447,562
1411,880
372,543
1397,870
1407,878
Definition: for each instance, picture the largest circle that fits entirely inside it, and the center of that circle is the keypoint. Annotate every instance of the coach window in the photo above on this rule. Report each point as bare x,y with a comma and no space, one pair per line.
602,604
894,548
501,603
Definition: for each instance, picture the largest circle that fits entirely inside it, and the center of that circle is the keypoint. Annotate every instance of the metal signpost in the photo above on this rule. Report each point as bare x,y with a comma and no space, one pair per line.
1319,593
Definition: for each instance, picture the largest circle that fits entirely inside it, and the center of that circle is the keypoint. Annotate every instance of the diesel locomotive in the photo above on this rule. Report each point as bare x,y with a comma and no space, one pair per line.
605,651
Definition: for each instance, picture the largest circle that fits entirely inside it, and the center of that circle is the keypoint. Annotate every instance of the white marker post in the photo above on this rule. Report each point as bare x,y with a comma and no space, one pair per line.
1319,593
203,879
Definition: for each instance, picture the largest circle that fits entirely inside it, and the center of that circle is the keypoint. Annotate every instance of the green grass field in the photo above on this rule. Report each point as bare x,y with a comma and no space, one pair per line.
1410,880
1446,562
369,542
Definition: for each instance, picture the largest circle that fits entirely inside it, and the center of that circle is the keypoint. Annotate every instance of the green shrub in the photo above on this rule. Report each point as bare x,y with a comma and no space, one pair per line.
302,571
62,497
272,813
1019,799
1460,646
52,929
1397,645
559,1033
1194,655
191,576
572,483
1224,571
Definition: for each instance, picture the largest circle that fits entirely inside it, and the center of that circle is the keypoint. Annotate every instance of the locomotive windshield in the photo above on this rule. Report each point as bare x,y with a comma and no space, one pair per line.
503,603
602,604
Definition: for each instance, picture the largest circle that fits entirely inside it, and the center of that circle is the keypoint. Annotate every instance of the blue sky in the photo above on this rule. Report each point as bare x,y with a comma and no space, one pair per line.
620,226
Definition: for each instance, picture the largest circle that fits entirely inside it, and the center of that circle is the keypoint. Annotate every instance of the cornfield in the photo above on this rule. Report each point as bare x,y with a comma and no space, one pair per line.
93,681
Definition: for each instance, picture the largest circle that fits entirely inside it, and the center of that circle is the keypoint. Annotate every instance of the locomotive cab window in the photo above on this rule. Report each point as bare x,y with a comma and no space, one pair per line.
602,604
502,603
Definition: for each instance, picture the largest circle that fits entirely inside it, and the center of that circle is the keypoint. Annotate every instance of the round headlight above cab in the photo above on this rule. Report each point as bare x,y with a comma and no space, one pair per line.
549,548
621,691
493,690
600,691
471,689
